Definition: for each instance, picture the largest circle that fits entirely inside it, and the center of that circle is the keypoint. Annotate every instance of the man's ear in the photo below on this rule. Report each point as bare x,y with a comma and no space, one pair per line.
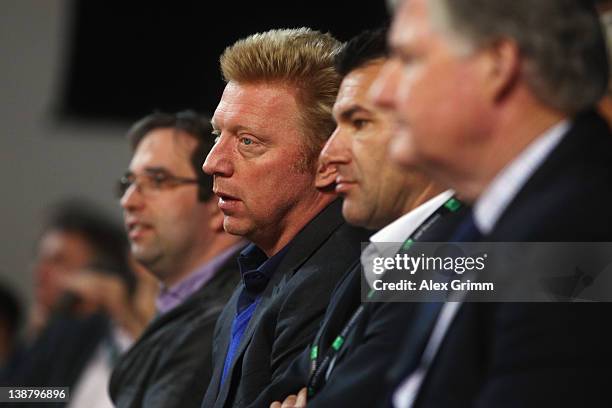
215,215
326,176
502,65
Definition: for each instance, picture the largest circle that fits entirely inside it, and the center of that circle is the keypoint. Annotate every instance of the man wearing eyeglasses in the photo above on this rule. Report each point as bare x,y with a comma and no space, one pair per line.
175,230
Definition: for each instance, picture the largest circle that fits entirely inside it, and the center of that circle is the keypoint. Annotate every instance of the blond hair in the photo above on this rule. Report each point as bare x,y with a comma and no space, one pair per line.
301,58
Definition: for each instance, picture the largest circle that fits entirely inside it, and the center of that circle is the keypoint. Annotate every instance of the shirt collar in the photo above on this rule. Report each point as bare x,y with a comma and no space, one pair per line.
257,269
508,182
404,226
393,235
171,297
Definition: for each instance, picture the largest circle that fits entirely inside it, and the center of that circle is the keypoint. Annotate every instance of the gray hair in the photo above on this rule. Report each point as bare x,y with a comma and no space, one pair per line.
566,63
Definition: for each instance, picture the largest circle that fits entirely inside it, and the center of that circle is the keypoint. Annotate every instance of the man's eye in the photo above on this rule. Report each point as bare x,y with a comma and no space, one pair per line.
246,141
360,123
159,180
126,181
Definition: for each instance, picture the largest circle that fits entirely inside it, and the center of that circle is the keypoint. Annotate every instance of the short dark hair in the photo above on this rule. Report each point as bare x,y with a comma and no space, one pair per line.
191,123
106,238
362,49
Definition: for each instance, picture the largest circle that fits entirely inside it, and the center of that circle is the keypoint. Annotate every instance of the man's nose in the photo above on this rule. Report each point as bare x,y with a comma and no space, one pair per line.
336,150
131,198
219,159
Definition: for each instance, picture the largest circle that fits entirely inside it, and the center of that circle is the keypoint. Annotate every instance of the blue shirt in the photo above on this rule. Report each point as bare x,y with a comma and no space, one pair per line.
256,270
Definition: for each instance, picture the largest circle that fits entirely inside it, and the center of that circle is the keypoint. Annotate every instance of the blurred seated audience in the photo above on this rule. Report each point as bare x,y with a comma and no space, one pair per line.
108,293
76,333
10,321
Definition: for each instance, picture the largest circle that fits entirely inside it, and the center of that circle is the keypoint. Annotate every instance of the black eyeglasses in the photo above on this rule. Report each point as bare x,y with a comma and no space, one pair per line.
151,182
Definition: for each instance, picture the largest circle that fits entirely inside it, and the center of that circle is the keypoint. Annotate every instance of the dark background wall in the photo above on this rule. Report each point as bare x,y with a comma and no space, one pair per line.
73,74
130,57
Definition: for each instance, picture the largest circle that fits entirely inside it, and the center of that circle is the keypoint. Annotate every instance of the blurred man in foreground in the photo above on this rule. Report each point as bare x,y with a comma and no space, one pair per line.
496,99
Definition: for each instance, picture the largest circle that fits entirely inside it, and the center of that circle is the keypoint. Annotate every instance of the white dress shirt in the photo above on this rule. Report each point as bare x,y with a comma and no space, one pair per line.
91,389
394,234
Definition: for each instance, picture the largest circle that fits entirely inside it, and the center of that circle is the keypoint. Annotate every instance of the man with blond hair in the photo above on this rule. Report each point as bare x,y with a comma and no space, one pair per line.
270,125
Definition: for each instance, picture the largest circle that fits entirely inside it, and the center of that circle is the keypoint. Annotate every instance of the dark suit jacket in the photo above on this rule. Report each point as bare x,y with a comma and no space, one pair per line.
370,348
530,354
344,300
289,311
168,364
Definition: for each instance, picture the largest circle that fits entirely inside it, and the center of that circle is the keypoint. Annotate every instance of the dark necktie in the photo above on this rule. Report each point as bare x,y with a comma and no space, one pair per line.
427,312
467,230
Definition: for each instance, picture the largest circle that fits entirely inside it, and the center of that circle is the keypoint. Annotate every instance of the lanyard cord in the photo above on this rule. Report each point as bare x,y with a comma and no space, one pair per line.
319,367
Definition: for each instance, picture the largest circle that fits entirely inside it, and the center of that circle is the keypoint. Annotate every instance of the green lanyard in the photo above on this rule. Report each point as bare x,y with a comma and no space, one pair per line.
320,368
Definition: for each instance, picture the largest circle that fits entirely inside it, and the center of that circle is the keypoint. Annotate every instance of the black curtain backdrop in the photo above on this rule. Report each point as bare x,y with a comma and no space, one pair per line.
128,58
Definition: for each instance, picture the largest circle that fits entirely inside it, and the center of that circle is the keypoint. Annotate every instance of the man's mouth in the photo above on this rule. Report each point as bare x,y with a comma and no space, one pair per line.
137,228
227,202
343,184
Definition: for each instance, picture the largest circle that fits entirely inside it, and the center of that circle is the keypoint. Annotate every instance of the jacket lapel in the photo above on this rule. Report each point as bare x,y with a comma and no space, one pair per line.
221,346
588,137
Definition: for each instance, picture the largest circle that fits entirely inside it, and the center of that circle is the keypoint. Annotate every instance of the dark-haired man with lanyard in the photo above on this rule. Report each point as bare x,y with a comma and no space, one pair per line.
345,364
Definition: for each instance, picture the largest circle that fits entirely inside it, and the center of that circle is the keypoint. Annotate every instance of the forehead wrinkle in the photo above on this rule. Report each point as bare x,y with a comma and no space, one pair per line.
243,116
165,148
353,94
251,105
156,169
406,27
347,111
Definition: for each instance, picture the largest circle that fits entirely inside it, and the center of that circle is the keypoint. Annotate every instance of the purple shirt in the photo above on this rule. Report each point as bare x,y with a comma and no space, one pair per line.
169,298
